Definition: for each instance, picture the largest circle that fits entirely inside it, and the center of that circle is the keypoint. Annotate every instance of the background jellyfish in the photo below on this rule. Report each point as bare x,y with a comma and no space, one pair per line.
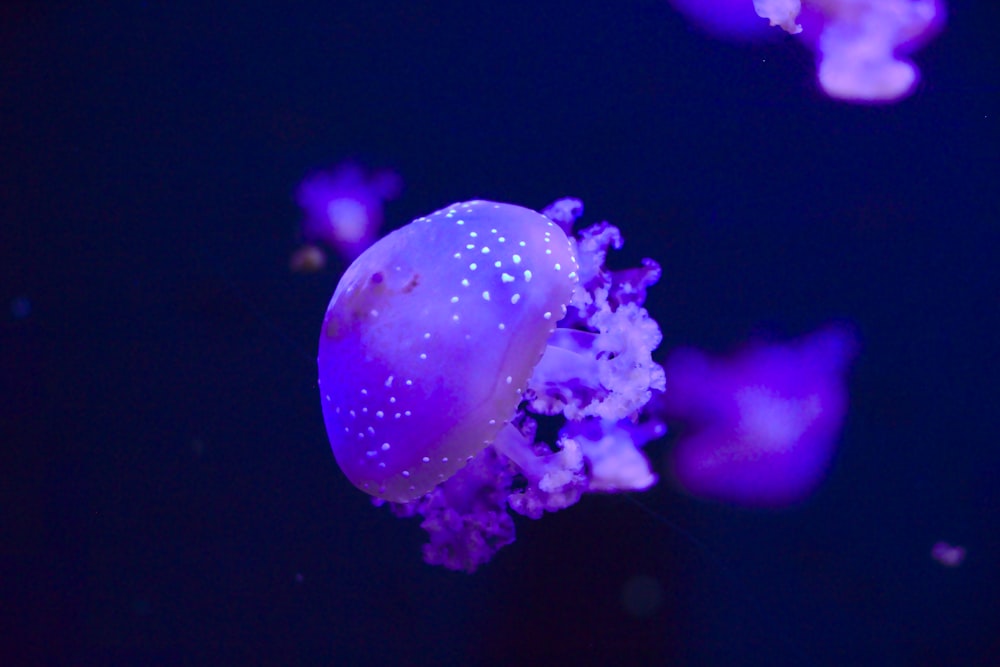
445,337
760,428
342,211
860,45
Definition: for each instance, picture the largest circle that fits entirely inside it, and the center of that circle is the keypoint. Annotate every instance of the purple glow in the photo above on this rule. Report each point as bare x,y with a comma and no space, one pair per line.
442,338
948,555
763,425
860,45
343,209
725,19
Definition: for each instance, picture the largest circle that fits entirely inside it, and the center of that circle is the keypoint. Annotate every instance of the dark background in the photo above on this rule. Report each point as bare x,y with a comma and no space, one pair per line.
168,494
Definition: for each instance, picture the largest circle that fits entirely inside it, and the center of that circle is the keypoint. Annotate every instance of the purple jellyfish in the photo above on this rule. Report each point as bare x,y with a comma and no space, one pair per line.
860,45
948,555
343,211
444,337
761,428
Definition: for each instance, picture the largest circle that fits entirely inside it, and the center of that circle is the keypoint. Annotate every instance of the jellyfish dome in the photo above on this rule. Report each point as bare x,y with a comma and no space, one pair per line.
431,336
447,338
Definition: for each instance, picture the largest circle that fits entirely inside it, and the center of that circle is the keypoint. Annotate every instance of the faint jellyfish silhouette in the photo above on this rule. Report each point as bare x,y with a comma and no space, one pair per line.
948,555
20,307
343,211
444,337
761,427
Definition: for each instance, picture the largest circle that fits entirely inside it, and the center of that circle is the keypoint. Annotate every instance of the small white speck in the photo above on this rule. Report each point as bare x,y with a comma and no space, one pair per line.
405,473
517,259
380,414
485,250
486,295
385,446
507,278
501,326
472,267
515,298
454,299
465,282
423,355
388,381
527,276
426,459
509,379
547,315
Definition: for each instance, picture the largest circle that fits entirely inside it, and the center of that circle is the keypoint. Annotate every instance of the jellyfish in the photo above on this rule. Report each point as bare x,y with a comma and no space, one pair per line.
860,45
343,212
761,428
447,339
947,554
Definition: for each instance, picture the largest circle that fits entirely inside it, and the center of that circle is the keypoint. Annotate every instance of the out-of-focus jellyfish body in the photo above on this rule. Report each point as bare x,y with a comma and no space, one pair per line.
761,427
948,555
342,210
726,19
860,45
443,337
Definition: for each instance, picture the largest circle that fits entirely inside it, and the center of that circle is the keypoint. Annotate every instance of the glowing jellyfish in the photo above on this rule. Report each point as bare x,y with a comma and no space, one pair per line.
343,211
860,45
444,336
948,555
762,427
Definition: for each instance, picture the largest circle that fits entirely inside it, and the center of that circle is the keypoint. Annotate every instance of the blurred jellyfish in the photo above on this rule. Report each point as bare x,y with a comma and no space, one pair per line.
725,19
343,211
443,338
860,45
948,555
761,427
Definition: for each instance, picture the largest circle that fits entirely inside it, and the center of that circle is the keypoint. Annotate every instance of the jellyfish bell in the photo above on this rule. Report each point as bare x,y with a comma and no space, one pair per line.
430,338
